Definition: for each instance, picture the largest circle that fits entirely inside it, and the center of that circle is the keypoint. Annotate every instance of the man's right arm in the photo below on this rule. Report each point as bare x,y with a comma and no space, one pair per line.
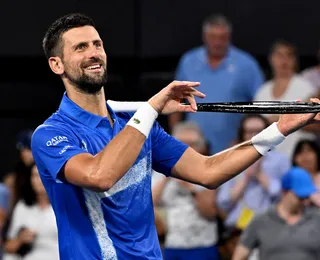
102,171
66,161
60,152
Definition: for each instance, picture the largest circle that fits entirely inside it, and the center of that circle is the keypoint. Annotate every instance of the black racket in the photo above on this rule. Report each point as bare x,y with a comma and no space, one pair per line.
261,107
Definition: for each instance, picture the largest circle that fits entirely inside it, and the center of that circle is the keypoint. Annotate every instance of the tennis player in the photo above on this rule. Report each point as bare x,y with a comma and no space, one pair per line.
96,164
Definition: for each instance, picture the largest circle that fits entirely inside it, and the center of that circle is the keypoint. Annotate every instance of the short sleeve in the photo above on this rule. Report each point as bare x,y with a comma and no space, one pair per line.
249,237
166,150
52,146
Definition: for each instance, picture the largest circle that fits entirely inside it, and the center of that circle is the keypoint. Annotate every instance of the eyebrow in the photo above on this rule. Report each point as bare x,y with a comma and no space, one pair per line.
86,43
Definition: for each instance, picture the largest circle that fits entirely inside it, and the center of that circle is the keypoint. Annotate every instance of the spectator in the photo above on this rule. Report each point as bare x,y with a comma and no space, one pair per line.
312,74
226,73
18,180
288,230
190,209
307,156
33,233
286,85
258,187
4,210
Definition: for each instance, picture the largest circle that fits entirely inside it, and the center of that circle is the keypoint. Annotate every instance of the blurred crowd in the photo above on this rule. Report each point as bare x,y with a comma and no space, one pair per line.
270,211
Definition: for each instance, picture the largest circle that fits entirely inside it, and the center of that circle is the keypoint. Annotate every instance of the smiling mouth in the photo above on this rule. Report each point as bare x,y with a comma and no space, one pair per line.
95,68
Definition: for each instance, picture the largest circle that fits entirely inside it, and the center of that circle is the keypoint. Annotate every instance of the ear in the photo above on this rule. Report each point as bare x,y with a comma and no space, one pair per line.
56,65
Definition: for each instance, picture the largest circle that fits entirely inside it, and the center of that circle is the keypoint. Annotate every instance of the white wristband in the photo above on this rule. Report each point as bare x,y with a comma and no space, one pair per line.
267,139
143,119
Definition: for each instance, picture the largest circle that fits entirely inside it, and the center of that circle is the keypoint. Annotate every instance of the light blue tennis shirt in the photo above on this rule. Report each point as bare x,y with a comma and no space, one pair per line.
236,79
115,224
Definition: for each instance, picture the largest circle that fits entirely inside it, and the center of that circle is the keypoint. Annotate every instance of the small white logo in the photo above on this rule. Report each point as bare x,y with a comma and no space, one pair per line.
65,149
57,140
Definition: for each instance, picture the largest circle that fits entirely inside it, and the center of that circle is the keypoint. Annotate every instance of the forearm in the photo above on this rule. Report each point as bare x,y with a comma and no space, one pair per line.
237,190
205,203
108,166
264,181
157,192
229,163
12,246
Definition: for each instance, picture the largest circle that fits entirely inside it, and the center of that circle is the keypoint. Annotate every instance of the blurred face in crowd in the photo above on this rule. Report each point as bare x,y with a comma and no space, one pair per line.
26,156
193,139
217,40
307,159
283,61
294,203
36,181
251,127
84,62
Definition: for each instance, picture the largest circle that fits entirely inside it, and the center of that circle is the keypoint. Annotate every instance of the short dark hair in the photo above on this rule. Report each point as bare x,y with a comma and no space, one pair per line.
216,20
52,40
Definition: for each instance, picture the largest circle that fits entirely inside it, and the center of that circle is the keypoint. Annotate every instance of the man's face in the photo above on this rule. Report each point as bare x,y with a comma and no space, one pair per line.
84,59
295,203
217,40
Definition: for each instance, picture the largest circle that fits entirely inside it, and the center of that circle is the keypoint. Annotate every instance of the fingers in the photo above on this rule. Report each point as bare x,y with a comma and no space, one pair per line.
315,100
184,83
187,87
192,102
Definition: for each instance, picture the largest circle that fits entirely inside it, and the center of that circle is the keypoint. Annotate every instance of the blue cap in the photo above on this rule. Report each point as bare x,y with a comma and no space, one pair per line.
299,181
24,139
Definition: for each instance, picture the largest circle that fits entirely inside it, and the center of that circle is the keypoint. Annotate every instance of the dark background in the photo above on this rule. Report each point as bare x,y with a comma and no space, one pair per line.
140,37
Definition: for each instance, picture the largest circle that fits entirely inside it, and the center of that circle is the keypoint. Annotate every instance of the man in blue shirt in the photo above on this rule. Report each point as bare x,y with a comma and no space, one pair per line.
226,73
96,164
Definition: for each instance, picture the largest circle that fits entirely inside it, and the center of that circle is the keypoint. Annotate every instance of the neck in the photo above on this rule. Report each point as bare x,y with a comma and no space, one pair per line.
43,200
214,60
283,76
93,103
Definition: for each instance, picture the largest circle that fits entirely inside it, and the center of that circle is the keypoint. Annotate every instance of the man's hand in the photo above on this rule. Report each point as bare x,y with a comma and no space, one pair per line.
290,123
167,101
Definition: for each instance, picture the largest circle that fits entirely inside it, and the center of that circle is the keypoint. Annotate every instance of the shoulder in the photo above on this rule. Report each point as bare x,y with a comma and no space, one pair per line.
308,71
20,208
243,56
260,219
299,82
192,54
298,79
51,126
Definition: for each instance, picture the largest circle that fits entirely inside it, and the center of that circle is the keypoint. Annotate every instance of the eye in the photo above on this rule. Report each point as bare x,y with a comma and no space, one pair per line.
98,44
81,47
